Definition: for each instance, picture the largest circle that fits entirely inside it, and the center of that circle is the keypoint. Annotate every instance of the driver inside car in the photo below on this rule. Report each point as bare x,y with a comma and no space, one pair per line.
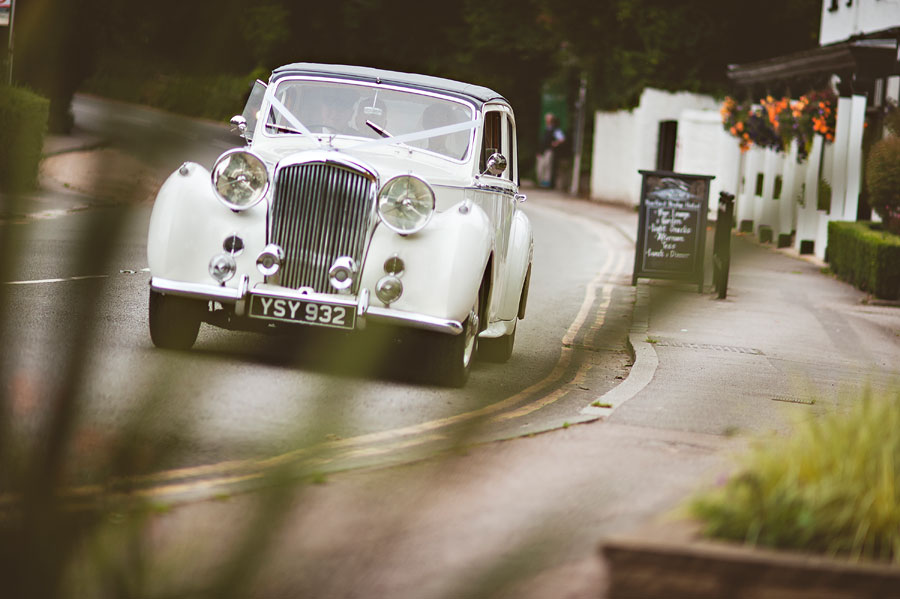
370,109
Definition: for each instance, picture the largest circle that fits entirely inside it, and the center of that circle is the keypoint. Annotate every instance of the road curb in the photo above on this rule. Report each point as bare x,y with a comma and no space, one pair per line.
671,560
54,145
643,355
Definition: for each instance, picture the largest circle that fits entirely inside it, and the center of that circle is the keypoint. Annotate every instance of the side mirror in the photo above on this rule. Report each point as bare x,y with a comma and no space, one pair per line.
496,164
239,124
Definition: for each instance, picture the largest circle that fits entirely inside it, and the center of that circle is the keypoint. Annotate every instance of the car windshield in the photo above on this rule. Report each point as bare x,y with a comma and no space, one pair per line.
436,124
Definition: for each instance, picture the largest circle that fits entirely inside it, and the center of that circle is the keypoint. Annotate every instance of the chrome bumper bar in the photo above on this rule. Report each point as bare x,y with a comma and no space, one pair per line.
239,297
412,320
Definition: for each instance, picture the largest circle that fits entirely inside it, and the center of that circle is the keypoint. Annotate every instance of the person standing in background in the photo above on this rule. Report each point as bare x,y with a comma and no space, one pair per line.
551,138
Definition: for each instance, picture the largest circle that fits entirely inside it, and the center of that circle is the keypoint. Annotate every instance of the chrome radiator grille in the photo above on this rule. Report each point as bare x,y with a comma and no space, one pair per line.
320,212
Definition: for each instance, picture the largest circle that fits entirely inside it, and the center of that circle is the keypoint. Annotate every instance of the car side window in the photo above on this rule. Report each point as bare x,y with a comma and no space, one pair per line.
492,141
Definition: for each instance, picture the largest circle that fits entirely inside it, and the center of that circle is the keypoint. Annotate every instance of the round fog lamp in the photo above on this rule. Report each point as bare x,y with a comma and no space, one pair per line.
388,290
222,267
340,275
269,260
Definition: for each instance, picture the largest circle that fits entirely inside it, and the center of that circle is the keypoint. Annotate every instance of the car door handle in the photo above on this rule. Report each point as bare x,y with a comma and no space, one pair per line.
520,197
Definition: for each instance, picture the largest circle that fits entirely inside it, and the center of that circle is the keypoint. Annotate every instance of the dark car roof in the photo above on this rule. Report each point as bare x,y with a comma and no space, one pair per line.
427,82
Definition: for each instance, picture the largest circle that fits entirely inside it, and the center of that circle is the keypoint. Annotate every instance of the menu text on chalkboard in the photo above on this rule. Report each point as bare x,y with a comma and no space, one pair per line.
671,227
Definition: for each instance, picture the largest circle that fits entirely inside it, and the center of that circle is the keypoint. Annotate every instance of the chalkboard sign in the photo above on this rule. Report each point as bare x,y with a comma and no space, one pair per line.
671,236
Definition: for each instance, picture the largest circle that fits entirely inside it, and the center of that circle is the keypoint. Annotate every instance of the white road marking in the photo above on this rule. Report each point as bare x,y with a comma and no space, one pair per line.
41,281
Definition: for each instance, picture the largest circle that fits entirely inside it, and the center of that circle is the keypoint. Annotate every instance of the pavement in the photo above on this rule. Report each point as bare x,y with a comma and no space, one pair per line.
789,341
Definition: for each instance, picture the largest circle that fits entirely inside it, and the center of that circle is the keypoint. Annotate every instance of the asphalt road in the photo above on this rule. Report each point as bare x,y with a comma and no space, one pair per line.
238,402
240,411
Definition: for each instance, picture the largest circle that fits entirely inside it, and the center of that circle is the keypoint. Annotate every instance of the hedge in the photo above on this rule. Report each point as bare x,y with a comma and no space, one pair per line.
23,123
865,255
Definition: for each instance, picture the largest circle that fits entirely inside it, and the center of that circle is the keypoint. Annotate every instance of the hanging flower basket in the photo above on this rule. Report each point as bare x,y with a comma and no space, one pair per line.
775,123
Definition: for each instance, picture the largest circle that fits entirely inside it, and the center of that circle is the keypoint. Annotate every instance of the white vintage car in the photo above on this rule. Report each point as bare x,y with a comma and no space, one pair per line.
362,196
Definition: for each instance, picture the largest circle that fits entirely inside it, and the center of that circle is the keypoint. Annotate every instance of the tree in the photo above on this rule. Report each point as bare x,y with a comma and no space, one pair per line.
54,50
627,45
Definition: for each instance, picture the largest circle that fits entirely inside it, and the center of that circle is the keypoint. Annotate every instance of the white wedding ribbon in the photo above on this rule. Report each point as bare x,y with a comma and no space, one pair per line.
287,114
417,135
407,137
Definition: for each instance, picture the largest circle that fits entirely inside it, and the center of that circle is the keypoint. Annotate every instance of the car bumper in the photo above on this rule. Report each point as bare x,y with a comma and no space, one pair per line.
241,296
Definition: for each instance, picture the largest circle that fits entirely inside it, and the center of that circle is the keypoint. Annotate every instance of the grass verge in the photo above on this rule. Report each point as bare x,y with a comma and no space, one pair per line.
832,487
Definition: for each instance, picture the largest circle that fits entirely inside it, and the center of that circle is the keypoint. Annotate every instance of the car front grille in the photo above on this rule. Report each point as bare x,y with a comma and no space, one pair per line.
320,212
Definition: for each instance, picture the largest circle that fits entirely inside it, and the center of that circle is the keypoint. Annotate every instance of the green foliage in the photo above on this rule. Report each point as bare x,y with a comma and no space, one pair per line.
23,122
264,29
627,45
512,46
866,256
831,486
217,97
883,180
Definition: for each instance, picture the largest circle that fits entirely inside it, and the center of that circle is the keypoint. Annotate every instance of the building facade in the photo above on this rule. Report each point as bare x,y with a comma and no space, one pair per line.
791,194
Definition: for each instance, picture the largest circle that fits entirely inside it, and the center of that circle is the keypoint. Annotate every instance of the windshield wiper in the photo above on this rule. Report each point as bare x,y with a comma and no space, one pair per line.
379,130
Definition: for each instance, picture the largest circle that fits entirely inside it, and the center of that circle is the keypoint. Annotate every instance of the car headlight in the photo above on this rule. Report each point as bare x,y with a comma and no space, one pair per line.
405,204
240,179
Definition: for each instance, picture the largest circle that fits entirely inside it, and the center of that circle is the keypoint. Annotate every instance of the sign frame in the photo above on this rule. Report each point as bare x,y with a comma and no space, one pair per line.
671,236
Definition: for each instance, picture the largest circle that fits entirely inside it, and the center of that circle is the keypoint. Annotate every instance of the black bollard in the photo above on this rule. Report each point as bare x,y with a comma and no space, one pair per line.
722,243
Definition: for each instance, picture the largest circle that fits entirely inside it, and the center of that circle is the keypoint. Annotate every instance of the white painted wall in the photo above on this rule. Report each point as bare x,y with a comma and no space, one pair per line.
626,142
855,158
705,148
839,21
751,165
614,157
892,91
768,211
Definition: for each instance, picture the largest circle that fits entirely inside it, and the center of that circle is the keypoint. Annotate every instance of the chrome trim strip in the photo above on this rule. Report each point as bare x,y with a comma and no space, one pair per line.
197,290
493,188
416,321
331,158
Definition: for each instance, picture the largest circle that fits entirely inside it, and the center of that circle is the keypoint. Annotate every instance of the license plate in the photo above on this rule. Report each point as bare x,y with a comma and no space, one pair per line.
303,311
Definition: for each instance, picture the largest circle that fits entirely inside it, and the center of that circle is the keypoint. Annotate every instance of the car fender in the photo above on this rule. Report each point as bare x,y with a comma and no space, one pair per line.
444,263
521,249
188,225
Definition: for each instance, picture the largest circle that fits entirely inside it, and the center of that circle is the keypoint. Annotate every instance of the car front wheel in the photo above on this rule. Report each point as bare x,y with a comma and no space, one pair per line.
453,354
174,321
